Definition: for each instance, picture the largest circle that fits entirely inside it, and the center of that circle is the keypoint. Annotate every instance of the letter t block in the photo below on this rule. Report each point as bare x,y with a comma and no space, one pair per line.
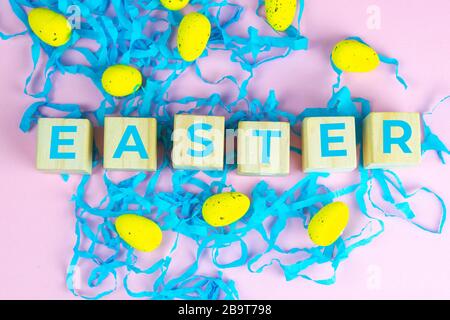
329,144
64,145
391,139
263,148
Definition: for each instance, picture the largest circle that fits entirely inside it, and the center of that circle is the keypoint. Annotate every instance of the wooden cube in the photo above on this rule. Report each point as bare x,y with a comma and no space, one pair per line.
329,144
130,144
64,145
198,142
391,139
263,148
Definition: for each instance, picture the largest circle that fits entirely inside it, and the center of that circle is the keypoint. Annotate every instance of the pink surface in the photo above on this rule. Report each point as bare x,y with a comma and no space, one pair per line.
37,223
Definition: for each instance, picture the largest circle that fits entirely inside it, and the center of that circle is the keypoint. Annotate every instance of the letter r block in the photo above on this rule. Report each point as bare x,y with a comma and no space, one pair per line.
198,142
64,145
329,144
130,144
391,139
263,148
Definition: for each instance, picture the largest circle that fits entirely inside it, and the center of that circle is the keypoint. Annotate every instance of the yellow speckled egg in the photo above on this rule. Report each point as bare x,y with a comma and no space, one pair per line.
121,80
354,56
139,232
223,209
193,36
49,26
280,13
328,224
174,4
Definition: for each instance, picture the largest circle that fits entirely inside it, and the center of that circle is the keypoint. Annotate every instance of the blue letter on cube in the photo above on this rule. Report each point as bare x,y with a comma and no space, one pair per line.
209,147
56,142
266,135
131,131
388,141
326,140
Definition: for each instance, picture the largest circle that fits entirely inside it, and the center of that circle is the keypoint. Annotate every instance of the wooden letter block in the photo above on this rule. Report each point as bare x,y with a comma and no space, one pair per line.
391,139
130,144
329,144
263,148
64,145
198,142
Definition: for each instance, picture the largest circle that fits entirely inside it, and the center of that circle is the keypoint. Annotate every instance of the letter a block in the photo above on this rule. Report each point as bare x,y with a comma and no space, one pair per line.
130,144
64,145
329,144
391,139
263,148
198,142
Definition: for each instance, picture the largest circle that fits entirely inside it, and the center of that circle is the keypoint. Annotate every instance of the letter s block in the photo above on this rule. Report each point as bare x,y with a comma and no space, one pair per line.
198,142
263,148
329,144
391,139
130,144
64,145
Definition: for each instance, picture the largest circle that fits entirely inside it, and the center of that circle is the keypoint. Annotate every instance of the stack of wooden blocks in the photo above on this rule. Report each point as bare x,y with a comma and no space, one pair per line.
389,139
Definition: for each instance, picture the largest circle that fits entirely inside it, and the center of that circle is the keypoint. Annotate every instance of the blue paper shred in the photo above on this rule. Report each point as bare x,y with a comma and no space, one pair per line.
431,141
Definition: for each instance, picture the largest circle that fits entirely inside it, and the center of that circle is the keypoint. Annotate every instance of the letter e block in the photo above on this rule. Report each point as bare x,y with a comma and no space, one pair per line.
130,144
263,148
391,139
329,144
64,145
198,142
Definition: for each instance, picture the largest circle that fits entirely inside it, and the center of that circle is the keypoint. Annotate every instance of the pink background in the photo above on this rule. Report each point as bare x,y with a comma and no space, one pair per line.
37,223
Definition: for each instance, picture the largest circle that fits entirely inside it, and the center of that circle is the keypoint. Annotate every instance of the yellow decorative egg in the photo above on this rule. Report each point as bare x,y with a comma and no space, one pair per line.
193,36
354,56
223,209
174,4
139,232
280,13
49,26
121,80
328,224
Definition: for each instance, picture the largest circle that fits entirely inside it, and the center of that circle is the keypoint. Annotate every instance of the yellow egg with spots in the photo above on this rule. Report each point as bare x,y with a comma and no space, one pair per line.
193,36
223,209
328,224
51,27
139,232
280,13
121,80
174,4
354,56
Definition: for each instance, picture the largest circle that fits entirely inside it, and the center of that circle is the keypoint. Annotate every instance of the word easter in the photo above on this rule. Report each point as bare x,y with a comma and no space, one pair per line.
390,139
